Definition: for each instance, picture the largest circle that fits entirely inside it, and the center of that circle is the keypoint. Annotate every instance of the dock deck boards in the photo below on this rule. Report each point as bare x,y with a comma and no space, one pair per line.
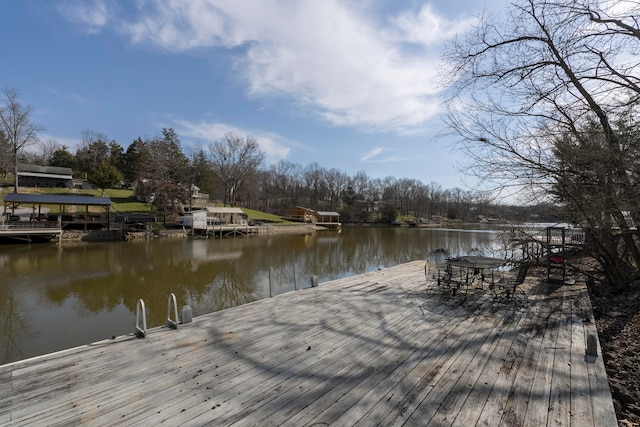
382,348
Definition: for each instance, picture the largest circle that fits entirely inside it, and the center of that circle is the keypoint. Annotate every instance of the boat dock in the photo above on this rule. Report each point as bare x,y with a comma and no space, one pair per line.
231,230
29,230
381,348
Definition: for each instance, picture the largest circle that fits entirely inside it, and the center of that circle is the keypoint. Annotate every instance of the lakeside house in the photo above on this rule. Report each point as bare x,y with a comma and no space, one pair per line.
301,214
323,218
44,176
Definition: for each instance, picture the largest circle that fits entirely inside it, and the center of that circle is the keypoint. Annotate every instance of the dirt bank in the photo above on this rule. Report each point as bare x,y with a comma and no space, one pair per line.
617,315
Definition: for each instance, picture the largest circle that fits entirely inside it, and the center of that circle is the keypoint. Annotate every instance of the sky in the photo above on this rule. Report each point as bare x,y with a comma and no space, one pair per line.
352,85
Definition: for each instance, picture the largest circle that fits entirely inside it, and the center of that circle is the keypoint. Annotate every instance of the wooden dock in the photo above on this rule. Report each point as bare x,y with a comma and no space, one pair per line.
382,348
29,230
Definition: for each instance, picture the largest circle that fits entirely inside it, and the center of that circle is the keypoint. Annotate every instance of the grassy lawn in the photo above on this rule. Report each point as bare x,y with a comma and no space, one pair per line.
122,200
263,216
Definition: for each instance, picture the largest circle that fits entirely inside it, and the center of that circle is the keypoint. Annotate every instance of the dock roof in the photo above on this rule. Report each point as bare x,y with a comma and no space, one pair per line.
327,213
24,169
57,199
227,210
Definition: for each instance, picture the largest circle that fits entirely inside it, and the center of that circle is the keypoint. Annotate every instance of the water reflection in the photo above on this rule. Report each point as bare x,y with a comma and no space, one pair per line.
52,298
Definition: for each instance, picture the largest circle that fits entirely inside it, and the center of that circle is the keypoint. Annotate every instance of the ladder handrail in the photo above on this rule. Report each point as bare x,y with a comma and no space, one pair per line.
141,332
173,324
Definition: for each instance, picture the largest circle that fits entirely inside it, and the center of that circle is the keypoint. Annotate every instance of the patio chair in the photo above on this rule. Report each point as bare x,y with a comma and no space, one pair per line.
448,282
506,288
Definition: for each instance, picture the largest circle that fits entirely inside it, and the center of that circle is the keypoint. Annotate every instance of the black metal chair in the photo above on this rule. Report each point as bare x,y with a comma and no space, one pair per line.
506,288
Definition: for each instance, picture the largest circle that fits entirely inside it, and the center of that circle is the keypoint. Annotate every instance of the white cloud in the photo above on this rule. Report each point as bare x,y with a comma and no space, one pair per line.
91,15
376,156
371,154
428,27
274,146
332,58
620,8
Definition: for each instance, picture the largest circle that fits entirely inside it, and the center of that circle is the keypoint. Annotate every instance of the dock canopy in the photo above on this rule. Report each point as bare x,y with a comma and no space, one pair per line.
226,215
327,216
328,219
14,200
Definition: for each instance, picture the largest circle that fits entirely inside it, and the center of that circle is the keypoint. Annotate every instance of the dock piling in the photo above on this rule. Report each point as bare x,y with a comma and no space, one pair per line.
270,282
187,314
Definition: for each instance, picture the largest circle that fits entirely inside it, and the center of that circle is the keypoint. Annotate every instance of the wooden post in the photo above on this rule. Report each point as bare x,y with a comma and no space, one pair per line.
270,283
187,314
295,279
314,281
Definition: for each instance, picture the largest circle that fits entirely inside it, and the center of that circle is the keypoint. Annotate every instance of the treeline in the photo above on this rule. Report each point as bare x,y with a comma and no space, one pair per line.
233,171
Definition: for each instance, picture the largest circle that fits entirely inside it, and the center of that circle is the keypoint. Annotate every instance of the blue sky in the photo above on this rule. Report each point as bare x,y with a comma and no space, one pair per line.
352,85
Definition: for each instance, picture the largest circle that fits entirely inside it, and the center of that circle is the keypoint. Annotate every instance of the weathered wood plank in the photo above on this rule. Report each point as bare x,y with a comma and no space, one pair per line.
364,357
599,391
99,360
497,399
422,379
366,350
6,396
186,368
482,389
581,407
538,402
457,400
384,376
521,394
280,412
243,390
238,343
559,399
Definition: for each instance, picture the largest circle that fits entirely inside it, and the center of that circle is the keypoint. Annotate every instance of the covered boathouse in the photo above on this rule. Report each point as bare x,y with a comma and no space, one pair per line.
328,219
68,214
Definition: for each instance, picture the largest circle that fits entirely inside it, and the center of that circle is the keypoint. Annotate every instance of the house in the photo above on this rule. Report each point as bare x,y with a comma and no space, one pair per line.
301,214
44,176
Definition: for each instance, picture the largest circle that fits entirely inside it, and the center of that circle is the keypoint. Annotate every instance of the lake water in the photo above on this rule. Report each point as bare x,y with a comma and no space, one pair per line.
52,298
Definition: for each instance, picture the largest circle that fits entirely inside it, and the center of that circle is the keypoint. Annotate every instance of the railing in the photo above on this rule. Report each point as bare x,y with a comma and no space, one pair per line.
572,236
30,225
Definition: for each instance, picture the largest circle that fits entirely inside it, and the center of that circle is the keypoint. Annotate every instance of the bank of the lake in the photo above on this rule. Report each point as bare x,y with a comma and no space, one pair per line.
72,236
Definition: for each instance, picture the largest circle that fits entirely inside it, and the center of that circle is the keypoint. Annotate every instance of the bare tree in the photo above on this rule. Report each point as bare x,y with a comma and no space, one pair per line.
335,181
235,160
93,150
315,186
5,155
542,77
19,130
47,148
